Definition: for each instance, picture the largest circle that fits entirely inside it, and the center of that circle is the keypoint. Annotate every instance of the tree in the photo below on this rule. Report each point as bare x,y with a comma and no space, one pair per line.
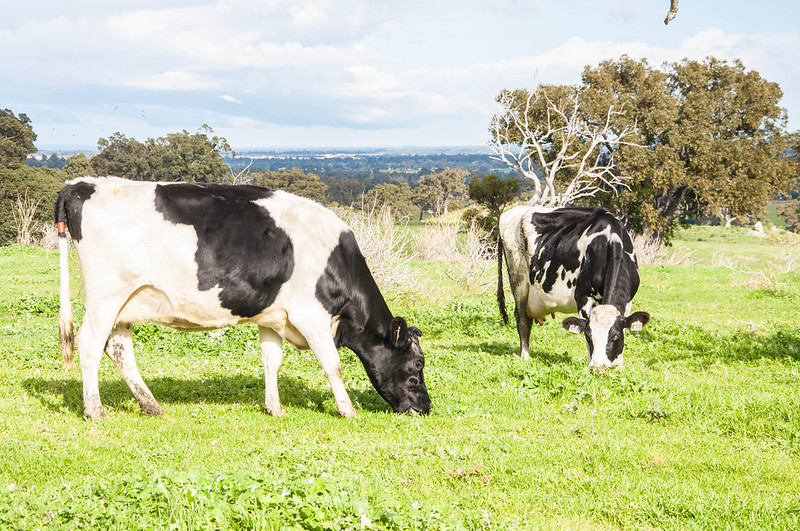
716,140
713,135
16,139
177,157
294,181
790,210
396,196
77,166
38,186
192,157
439,190
493,193
122,157
345,191
547,137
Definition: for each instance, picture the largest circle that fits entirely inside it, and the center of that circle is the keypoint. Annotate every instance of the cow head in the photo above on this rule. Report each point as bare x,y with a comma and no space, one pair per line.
605,333
396,372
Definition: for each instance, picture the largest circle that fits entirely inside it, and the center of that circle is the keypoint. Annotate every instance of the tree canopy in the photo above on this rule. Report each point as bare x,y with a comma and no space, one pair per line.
177,157
709,138
294,181
16,139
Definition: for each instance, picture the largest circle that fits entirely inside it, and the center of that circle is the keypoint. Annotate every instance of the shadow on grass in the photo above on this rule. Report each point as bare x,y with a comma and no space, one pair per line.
60,394
510,349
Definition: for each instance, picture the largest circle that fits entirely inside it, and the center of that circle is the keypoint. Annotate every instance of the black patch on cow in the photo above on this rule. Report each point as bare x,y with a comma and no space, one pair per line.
239,246
347,289
607,274
69,206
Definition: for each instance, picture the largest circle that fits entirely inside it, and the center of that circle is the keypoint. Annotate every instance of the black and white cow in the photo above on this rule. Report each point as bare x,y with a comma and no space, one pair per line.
205,256
571,260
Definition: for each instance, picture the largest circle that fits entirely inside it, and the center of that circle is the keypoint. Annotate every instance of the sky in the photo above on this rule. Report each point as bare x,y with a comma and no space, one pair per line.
271,74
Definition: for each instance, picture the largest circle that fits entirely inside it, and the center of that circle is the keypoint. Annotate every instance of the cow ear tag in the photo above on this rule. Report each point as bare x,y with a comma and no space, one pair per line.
636,326
575,329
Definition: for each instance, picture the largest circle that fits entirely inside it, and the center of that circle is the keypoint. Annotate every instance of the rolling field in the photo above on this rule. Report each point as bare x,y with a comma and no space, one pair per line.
700,430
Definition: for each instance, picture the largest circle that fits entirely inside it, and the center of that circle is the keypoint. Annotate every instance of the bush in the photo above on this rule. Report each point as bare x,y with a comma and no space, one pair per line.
36,186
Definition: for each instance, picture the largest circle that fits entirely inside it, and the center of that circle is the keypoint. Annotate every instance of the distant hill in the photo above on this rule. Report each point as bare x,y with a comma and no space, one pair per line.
369,164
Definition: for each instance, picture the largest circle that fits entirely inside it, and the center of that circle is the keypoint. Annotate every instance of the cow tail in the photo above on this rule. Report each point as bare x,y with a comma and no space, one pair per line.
66,334
501,295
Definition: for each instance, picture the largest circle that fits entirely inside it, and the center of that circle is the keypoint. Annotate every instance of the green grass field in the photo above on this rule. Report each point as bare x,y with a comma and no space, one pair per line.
700,430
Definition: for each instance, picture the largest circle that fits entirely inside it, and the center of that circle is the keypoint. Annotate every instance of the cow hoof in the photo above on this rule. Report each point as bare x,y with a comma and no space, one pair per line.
351,414
166,417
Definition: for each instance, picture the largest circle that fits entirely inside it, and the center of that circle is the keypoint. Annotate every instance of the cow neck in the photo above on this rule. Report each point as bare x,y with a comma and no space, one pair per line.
348,290
621,280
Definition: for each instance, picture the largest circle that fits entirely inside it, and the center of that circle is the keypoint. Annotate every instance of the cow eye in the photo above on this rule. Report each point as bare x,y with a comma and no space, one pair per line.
615,338
418,365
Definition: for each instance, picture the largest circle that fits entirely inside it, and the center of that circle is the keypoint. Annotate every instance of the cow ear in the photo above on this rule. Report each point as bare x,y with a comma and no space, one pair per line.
636,321
574,325
398,333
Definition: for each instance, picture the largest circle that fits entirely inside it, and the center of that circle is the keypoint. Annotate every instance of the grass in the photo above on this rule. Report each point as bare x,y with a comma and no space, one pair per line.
700,430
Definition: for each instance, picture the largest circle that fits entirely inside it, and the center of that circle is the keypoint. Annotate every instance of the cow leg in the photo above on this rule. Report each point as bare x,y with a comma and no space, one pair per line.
119,349
524,324
271,358
314,323
92,337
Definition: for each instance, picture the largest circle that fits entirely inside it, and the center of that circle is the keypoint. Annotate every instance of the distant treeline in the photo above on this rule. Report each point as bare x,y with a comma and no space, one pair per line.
372,168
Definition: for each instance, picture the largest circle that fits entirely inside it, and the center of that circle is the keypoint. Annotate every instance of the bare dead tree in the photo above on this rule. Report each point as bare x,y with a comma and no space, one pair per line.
563,143
23,212
243,176
673,11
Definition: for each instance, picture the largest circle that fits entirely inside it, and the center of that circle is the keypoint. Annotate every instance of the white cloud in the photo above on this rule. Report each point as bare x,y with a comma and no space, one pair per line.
229,99
375,69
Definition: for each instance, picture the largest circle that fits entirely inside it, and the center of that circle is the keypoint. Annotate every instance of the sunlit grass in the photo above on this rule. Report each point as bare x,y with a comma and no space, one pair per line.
699,430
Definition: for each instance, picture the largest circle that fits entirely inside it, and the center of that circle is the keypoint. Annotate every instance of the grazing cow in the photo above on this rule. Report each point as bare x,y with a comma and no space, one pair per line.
205,256
571,260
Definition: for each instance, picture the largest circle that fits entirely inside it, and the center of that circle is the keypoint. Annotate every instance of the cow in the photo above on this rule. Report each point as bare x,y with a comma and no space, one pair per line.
196,256
571,260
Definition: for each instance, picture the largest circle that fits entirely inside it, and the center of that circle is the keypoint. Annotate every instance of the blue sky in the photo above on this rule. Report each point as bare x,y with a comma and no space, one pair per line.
346,73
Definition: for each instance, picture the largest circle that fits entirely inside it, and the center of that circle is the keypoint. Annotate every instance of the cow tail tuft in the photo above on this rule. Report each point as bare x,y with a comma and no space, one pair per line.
66,335
501,295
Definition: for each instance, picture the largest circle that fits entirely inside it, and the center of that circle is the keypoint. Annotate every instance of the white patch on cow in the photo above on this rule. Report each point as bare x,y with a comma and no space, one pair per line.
316,241
154,273
601,320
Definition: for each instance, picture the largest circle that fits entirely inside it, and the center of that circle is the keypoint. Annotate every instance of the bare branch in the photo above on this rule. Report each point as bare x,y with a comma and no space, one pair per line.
571,143
673,11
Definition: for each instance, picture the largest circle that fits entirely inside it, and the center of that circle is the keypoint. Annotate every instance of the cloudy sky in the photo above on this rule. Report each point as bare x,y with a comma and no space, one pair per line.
346,73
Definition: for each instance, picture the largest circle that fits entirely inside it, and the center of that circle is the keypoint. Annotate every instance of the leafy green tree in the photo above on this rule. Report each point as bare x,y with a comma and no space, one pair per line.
345,191
714,135
398,197
40,185
122,157
294,181
192,157
177,157
494,194
790,210
703,138
437,191
77,166
16,139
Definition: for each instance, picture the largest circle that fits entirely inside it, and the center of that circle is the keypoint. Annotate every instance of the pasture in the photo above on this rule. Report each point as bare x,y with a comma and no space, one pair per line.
700,430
